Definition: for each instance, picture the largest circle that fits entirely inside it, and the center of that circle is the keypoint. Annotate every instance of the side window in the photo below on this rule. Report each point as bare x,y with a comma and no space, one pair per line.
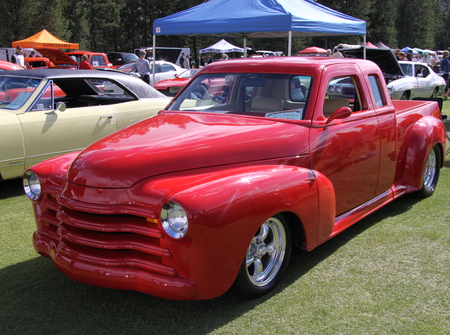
376,91
299,88
157,68
342,92
111,89
421,71
166,68
46,99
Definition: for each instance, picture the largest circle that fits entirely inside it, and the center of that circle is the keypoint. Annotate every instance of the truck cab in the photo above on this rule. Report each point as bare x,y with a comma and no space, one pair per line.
96,59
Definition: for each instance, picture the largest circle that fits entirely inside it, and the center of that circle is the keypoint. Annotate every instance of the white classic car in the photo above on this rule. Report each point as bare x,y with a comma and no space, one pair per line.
428,84
49,112
405,80
164,70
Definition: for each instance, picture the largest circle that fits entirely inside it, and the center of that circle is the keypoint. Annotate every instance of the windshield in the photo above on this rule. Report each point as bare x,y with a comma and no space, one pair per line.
188,73
282,96
131,67
15,91
407,69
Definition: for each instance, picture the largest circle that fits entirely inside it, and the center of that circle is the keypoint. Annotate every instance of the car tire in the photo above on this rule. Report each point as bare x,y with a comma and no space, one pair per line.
266,259
405,96
435,93
431,173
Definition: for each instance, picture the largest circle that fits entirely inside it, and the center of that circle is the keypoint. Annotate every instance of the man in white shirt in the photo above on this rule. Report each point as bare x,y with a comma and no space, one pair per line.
17,57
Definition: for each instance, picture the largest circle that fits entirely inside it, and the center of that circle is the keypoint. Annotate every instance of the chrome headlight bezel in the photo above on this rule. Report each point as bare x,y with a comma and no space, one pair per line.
174,220
32,185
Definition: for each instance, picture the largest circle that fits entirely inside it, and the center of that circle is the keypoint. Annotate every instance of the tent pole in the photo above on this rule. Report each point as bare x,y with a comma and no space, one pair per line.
290,44
245,46
365,47
153,61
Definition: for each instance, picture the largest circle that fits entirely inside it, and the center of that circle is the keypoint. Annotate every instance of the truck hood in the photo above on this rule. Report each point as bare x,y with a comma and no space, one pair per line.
384,58
57,56
171,142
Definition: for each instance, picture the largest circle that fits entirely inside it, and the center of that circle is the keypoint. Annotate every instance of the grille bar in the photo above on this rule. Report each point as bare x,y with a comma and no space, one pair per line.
123,258
112,241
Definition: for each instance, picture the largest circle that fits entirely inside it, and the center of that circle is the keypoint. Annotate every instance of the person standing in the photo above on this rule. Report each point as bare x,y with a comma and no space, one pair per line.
84,64
183,61
209,59
202,61
143,67
445,69
17,57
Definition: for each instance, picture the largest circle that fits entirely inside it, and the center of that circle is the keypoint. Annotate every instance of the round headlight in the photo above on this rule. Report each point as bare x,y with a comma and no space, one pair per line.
174,220
31,185
338,89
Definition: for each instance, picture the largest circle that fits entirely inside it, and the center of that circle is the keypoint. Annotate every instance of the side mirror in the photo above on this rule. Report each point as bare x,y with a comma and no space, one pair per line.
340,113
61,106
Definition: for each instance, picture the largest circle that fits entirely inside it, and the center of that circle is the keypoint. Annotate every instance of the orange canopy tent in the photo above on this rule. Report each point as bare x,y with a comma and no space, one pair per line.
44,39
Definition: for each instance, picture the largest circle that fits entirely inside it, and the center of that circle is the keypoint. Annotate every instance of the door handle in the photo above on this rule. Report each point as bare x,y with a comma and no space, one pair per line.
109,117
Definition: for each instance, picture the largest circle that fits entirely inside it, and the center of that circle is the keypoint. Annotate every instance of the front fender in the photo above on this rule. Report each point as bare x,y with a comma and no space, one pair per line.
52,172
425,134
226,207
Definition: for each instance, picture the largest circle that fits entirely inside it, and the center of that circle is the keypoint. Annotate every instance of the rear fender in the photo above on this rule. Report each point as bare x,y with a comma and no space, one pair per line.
225,208
426,133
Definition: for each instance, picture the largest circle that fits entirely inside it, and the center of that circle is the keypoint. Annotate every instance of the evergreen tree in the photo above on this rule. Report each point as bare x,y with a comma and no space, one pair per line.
123,25
381,22
76,14
415,23
105,24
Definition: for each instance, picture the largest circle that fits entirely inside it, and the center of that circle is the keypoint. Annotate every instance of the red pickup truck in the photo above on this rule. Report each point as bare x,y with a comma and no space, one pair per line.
216,189
96,59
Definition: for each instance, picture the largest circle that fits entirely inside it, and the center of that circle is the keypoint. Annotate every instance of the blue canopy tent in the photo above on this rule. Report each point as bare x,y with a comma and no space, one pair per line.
259,19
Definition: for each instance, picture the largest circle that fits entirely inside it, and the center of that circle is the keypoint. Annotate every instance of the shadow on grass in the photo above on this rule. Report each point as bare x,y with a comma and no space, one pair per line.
447,163
11,188
37,299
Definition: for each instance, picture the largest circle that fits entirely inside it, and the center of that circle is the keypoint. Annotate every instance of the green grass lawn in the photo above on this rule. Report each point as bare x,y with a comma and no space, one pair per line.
388,274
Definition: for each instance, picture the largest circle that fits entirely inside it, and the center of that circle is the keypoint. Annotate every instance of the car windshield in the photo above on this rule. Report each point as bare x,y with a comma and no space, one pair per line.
127,67
128,58
188,73
15,91
282,96
407,69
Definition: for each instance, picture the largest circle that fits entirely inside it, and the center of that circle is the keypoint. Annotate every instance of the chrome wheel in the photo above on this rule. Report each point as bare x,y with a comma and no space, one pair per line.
266,252
431,173
430,170
266,258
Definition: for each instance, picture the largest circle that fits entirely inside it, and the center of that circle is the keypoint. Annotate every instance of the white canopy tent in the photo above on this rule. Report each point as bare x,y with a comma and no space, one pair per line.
222,47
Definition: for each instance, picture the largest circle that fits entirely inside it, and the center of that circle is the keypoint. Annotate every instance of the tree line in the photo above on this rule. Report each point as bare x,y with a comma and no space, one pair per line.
123,25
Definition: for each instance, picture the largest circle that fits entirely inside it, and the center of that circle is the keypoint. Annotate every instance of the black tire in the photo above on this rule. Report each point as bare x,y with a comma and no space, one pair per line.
435,93
405,96
266,259
431,173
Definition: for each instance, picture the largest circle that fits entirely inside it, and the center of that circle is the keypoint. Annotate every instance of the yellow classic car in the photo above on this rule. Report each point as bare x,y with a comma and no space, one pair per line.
49,112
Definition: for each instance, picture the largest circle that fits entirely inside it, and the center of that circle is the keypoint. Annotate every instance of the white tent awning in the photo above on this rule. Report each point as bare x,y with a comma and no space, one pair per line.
222,47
